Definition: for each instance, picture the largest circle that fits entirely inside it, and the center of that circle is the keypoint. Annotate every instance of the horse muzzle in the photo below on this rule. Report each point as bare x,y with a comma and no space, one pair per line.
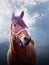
27,40
24,41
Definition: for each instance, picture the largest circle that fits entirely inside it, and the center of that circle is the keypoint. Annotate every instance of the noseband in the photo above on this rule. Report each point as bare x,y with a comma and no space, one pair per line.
16,35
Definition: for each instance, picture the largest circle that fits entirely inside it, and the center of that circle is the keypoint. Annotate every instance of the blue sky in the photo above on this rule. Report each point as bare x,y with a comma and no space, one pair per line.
36,16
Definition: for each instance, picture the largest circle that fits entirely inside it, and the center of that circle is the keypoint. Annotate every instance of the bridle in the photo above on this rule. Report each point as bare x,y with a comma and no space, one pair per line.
16,35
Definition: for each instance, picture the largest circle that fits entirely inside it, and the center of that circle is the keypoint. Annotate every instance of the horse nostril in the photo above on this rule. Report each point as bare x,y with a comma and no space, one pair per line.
27,40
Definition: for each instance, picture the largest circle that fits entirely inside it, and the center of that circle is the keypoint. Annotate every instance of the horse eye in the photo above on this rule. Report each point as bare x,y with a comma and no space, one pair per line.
14,25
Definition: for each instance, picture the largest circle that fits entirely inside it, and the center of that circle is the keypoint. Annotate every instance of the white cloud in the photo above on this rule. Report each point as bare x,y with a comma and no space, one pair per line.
27,2
42,1
31,20
6,10
30,2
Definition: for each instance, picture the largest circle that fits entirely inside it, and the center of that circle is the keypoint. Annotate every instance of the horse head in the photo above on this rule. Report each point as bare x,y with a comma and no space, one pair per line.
19,29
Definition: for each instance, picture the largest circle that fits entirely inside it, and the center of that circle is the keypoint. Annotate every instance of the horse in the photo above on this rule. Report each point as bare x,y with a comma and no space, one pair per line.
21,48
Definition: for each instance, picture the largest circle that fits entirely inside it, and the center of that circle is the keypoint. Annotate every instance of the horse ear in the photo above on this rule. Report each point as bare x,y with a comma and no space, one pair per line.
22,14
13,15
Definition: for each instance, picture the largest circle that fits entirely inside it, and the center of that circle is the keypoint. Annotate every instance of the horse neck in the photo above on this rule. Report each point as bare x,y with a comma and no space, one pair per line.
13,45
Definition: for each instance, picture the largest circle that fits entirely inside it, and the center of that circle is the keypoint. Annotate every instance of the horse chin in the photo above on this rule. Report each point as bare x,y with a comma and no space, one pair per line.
24,44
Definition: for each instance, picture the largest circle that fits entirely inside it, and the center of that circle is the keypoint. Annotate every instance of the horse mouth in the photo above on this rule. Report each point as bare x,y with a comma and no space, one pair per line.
23,42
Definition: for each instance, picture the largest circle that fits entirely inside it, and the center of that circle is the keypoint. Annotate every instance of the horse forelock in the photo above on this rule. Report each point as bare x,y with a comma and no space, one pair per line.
19,21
